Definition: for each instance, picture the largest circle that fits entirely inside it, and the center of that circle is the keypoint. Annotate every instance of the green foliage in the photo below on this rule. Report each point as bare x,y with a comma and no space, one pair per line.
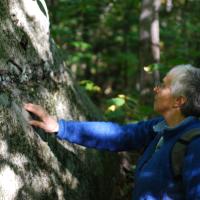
125,108
153,67
90,86
100,41
180,34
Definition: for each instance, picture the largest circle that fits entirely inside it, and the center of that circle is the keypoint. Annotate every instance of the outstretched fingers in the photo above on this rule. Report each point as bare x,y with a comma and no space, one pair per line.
36,109
37,124
46,122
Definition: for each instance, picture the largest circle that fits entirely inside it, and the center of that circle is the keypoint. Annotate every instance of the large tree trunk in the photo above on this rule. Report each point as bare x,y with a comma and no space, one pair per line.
34,165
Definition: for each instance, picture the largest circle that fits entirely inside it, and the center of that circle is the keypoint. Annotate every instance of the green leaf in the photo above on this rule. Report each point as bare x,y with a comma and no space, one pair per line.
117,101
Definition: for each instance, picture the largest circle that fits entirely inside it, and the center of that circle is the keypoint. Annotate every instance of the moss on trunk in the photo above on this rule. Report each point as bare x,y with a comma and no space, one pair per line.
33,164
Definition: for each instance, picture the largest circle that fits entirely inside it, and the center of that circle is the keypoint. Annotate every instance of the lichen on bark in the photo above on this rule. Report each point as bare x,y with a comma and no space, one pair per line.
31,70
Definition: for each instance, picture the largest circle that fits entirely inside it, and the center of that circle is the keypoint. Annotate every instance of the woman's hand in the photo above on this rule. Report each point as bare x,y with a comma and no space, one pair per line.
47,123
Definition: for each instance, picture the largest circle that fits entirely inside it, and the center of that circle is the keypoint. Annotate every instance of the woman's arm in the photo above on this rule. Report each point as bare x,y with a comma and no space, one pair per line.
107,135
100,135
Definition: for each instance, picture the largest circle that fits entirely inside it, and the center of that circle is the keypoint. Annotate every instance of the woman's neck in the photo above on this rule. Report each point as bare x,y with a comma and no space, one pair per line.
173,119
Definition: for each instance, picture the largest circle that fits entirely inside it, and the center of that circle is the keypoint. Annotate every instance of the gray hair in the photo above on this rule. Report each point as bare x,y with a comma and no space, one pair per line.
186,82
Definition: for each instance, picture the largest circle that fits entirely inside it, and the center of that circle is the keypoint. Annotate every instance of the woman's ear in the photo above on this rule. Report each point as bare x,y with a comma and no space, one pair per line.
180,101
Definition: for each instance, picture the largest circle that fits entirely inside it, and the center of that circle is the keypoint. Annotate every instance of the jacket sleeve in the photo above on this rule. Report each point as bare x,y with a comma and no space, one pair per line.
191,171
107,135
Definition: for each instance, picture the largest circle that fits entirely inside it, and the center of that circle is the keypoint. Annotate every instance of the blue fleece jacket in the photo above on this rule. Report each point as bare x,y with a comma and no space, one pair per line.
154,179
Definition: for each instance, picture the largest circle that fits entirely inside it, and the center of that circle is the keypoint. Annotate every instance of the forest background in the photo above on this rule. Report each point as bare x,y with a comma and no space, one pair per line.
117,51
110,46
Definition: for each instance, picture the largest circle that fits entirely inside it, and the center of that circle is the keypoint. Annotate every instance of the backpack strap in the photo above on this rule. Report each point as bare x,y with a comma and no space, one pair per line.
179,150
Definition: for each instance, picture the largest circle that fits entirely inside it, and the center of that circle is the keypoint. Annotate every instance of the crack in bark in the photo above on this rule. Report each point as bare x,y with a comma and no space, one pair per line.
24,42
15,64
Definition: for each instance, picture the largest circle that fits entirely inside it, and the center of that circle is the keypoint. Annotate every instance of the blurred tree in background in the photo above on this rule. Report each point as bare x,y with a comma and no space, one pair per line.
103,44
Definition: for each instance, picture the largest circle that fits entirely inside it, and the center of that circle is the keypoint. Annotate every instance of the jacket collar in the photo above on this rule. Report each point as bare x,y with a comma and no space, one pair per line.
162,126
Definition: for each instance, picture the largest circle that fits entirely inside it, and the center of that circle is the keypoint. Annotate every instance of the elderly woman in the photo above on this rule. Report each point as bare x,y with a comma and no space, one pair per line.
177,100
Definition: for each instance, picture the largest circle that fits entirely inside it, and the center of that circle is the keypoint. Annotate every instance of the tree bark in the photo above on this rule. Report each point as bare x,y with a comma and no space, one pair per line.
33,164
